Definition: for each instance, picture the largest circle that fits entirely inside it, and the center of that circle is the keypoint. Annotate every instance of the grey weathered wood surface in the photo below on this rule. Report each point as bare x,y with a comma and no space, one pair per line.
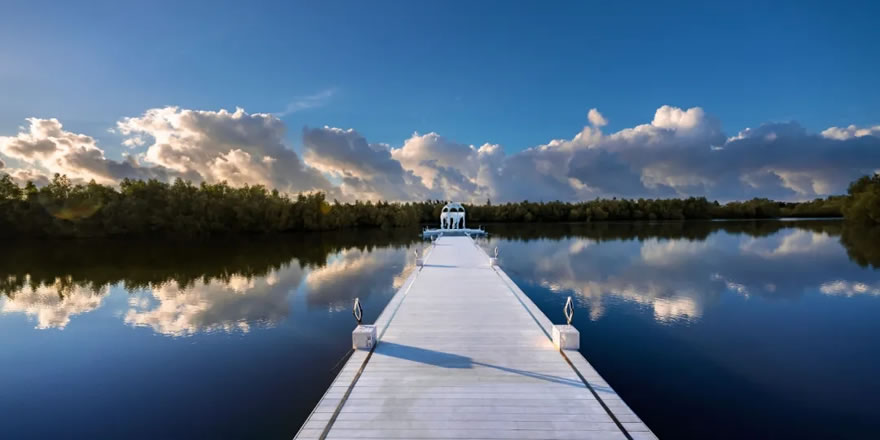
463,353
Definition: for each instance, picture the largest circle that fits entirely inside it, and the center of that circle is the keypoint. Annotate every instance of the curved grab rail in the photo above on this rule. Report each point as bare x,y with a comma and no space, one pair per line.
357,311
568,310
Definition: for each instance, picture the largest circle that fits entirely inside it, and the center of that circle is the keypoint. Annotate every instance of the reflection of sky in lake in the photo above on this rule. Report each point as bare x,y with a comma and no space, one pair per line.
52,305
234,303
678,278
228,356
778,328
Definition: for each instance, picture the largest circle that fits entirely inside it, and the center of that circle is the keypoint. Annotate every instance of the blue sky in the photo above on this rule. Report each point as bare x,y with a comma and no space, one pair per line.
515,74
511,73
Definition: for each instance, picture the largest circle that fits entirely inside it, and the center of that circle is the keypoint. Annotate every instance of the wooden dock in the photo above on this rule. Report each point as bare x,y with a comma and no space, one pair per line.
463,353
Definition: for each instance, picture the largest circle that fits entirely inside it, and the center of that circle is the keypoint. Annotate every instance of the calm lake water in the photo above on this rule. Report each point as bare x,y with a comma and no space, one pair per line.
707,329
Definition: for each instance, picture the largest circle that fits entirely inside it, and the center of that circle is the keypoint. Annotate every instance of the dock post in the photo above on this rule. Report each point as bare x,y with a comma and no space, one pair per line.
493,261
363,337
566,337
419,260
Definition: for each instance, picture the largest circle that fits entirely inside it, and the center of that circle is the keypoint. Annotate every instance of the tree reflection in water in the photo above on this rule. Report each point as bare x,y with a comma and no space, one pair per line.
675,268
179,288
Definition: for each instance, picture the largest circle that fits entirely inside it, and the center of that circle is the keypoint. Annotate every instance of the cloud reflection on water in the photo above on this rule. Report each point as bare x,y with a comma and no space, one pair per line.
215,305
229,303
355,273
674,278
678,278
52,305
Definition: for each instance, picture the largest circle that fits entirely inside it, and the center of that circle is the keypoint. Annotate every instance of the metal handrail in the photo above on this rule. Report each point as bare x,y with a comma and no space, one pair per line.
568,310
357,311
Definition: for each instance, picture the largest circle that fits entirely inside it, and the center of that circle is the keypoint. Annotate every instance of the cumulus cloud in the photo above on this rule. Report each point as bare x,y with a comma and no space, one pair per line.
236,147
452,170
596,118
367,170
680,152
684,152
850,132
22,176
48,149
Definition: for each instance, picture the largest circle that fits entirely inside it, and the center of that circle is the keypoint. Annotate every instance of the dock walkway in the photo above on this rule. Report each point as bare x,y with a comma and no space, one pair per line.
463,353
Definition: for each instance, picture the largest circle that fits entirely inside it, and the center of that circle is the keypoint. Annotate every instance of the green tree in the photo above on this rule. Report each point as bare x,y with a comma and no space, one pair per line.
9,190
863,205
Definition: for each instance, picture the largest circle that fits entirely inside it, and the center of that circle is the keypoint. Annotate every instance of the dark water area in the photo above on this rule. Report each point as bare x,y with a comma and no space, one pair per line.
707,329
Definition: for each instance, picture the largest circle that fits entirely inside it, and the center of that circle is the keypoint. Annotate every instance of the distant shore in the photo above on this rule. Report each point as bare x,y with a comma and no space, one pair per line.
153,209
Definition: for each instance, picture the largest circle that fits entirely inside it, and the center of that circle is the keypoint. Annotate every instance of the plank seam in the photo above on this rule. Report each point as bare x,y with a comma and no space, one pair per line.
564,356
345,396
370,354
596,395
364,363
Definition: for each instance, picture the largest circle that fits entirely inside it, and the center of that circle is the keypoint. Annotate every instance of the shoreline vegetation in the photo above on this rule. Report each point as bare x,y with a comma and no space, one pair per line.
182,209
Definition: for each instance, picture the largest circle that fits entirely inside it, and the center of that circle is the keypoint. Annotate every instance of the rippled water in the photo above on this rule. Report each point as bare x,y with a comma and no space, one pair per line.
725,329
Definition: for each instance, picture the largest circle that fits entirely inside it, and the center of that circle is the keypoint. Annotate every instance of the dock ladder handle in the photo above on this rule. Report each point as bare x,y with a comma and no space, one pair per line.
568,310
357,311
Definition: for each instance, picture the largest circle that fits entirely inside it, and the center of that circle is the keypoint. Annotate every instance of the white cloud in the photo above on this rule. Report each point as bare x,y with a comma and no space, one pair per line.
367,171
213,146
850,132
450,169
47,148
306,102
596,118
681,152
674,118
22,176
134,141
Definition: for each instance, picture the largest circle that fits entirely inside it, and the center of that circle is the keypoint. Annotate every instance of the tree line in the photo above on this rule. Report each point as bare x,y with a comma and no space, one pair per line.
151,208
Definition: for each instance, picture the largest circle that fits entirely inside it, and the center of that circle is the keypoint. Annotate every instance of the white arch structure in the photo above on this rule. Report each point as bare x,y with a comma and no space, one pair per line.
452,216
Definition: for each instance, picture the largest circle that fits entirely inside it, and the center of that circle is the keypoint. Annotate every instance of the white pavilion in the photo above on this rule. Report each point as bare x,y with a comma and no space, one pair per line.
452,222
452,216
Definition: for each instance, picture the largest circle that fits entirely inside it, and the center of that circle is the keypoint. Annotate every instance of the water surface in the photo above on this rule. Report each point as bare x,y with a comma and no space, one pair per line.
727,329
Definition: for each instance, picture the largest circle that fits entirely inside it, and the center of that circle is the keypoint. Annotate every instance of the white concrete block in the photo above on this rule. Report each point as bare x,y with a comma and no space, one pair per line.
566,337
364,337
493,261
